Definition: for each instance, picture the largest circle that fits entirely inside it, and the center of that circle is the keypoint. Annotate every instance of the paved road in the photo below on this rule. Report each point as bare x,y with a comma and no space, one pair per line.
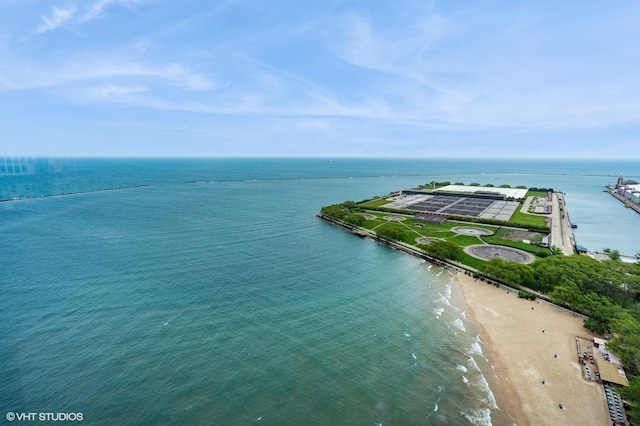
561,232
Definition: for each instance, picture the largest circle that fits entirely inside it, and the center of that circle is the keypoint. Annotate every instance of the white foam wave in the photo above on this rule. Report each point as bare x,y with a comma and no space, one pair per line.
490,398
448,292
476,349
465,380
478,417
438,312
483,385
474,364
461,368
459,325
443,300
414,356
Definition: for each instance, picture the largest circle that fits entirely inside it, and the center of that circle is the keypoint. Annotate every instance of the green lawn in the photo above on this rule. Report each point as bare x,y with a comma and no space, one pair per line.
536,194
528,219
465,240
471,261
372,204
530,248
415,230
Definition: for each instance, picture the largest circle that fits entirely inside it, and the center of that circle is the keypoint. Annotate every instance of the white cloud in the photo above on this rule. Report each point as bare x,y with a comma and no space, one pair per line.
97,8
78,15
55,19
111,91
32,75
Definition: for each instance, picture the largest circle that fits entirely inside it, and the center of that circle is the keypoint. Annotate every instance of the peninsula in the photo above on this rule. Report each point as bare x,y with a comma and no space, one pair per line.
520,240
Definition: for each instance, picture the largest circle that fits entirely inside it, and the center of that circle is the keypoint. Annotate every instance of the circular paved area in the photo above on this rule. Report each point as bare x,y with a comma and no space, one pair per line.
394,218
369,216
487,252
465,230
425,240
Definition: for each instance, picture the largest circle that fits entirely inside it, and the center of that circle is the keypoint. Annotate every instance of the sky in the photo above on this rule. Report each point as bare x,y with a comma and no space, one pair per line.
328,78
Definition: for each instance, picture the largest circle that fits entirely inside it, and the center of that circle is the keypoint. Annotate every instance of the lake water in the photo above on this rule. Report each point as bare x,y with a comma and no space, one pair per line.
212,294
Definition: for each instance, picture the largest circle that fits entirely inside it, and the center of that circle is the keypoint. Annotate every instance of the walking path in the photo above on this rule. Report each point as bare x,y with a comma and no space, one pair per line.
561,232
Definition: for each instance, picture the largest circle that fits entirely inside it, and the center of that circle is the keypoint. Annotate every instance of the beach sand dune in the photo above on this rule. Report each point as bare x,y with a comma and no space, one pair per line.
523,356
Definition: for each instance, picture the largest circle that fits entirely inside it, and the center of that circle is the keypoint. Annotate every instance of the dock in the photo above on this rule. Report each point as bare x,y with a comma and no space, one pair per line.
626,202
561,229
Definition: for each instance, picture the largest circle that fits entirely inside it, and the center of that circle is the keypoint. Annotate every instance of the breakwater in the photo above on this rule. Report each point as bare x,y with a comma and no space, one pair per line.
626,202
75,193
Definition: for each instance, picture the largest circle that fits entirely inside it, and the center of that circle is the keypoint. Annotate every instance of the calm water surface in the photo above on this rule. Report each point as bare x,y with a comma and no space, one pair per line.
214,296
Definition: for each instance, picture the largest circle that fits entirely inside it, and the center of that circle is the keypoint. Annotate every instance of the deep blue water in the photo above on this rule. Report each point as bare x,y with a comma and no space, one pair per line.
214,296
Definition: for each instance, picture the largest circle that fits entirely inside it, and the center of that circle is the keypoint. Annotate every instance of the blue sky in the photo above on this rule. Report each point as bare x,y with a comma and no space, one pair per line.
320,78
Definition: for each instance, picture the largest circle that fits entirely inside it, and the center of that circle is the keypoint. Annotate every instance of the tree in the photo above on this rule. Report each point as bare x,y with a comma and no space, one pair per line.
556,250
443,249
391,231
513,273
566,294
354,219
631,394
614,254
335,211
505,185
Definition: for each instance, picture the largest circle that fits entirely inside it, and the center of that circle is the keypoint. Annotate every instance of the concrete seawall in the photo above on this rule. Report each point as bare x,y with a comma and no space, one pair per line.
446,264
630,204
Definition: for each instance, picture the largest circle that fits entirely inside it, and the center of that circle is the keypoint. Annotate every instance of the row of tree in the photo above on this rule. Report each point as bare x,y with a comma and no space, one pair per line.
344,212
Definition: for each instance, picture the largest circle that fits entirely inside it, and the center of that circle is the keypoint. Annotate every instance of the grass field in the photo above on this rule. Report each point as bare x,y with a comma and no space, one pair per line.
528,219
372,204
529,248
414,230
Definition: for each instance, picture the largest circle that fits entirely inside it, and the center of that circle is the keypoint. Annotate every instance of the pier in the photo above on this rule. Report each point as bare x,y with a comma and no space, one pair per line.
628,203
561,229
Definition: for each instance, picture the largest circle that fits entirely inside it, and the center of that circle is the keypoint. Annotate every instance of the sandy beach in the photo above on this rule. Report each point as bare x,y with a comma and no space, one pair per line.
523,356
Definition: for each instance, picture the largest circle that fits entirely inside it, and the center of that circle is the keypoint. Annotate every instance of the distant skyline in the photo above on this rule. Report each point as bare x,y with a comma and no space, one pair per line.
332,78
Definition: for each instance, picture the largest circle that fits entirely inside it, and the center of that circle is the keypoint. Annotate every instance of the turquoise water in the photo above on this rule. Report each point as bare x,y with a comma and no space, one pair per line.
225,301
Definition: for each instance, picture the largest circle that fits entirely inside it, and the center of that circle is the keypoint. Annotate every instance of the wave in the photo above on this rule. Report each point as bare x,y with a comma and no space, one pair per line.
483,385
443,300
459,325
438,312
479,416
476,349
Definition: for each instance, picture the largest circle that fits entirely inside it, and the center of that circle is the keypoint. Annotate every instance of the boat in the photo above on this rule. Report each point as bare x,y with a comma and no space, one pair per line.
574,226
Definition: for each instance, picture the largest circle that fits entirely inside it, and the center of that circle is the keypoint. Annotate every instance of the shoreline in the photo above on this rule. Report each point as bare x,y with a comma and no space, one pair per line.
522,355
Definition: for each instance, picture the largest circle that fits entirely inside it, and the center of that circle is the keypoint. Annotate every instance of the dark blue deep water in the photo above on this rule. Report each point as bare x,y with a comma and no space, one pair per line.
208,292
